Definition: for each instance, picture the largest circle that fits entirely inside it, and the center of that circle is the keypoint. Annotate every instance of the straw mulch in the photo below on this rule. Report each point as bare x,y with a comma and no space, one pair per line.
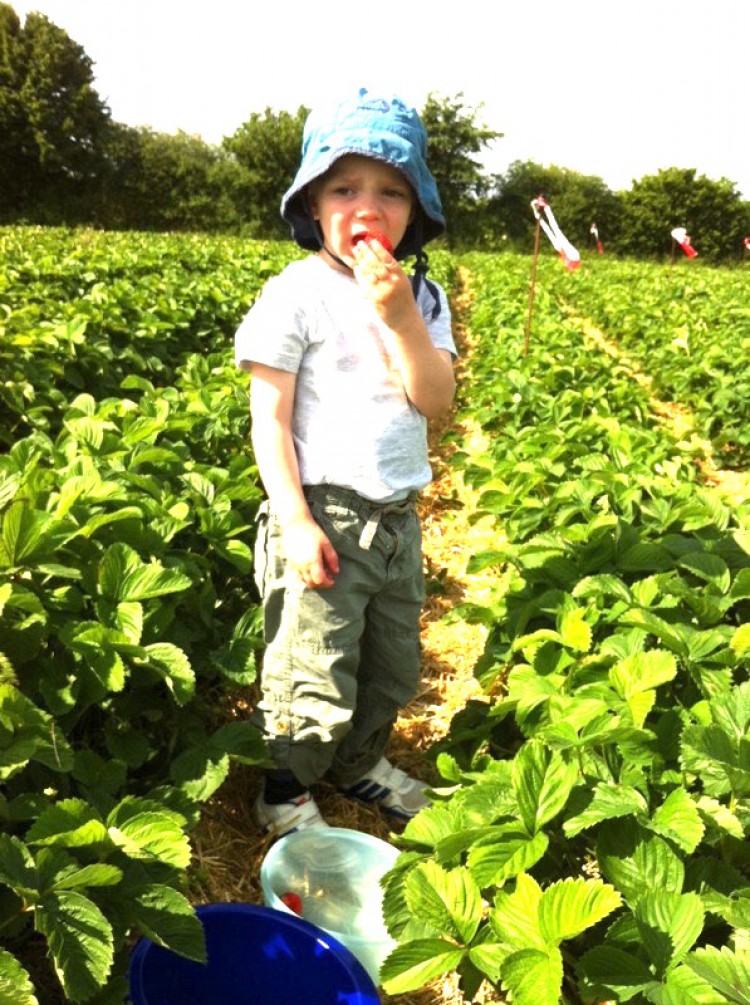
228,845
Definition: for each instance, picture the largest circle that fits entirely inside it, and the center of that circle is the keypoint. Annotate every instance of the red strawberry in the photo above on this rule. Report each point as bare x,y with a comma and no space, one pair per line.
293,901
373,235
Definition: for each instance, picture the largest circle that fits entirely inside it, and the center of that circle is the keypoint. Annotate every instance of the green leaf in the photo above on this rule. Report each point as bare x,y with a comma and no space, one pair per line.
80,940
493,860
199,771
15,984
609,802
667,633
708,567
740,641
488,957
542,781
144,830
71,823
642,671
17,865
727,972
242,740
669,924
575,631
678,819
534,977
610,971
414,964
124,578
636,860
684,987
448,901
169,920
28,534
173,666
570,906
514,918
718,815
98,874
429,827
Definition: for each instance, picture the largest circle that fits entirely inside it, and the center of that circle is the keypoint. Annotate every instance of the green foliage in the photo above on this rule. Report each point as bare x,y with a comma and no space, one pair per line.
688,328
267,148
590,841
455,137
52,121
577,201
126,615
155,181
711,211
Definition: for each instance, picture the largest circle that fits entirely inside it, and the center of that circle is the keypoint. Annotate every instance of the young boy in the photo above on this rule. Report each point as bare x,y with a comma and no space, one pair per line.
348,359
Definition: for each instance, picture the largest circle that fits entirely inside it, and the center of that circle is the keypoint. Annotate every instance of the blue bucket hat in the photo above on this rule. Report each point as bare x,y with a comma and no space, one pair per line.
373,126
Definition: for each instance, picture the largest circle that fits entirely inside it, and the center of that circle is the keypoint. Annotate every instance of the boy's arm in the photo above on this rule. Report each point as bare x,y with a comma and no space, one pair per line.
427,372
306,547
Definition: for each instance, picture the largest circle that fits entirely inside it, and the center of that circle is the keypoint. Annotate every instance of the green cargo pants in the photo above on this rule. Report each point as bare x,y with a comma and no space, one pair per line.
340,662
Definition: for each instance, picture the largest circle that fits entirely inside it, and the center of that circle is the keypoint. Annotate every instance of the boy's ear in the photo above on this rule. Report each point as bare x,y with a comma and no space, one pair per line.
311,198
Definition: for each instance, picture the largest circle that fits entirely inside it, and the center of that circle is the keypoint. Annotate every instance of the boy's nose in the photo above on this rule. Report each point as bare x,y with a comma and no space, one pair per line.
367,207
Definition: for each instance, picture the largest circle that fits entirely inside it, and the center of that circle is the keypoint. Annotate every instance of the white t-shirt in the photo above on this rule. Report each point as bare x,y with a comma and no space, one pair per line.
353,424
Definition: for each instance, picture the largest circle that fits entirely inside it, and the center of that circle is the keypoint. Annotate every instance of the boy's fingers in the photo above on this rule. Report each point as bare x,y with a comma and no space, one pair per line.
330,558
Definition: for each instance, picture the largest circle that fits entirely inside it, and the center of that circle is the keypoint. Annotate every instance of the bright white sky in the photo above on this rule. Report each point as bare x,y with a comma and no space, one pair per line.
615,88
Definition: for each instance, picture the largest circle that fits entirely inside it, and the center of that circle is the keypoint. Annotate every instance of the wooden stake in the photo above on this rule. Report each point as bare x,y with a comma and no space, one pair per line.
532,286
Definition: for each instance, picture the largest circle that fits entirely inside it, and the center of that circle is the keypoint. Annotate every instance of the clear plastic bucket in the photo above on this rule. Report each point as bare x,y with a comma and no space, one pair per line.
256,956
335,874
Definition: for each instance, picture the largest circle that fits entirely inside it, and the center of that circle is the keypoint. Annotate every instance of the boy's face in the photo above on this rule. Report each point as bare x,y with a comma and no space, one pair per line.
356,195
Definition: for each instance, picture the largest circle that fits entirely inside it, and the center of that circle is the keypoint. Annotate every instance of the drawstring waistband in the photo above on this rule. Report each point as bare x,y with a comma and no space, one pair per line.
372,512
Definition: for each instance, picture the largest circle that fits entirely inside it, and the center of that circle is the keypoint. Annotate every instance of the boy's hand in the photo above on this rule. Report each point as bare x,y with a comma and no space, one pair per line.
309,551
385,283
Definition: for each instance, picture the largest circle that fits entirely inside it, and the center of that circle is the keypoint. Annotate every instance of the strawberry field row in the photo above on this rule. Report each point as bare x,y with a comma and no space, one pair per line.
591,839
127,499
687,327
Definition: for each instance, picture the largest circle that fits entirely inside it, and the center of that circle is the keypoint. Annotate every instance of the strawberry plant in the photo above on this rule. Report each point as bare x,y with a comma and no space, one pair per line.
589,840
127,501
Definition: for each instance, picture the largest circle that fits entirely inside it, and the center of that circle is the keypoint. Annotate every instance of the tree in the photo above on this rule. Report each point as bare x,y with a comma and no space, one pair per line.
158,181
15,139
455,137
712,212
267,148
54,122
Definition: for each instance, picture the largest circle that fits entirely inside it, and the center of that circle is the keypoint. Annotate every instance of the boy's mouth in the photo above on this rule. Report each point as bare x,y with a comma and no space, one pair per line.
373,235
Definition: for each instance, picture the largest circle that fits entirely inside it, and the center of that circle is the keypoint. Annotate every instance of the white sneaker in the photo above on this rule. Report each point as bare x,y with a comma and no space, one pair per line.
294,815
391,788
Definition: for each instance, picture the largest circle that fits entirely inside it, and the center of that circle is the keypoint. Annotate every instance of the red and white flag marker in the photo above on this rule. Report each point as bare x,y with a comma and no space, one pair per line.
546,219
594,231
680,235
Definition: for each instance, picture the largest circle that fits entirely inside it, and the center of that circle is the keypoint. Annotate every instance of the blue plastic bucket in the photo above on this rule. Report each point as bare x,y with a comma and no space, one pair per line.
256,956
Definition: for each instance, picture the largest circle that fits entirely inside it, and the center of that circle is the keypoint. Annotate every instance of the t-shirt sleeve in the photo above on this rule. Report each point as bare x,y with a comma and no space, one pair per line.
273,330
440,328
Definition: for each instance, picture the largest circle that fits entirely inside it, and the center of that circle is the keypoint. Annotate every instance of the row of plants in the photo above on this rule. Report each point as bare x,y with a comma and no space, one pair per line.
79,310
588,841
127,500
688,327
128,497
